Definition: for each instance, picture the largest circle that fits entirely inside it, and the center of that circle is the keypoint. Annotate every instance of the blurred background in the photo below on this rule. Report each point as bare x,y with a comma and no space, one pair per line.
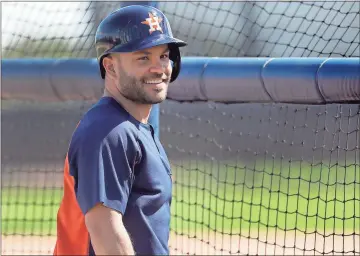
220,29
204,139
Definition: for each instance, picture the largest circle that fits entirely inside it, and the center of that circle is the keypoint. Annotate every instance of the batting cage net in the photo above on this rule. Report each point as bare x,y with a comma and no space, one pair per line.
249,178
219,29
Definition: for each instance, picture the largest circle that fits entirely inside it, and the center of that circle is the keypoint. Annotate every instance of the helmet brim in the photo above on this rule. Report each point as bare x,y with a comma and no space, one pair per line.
153,41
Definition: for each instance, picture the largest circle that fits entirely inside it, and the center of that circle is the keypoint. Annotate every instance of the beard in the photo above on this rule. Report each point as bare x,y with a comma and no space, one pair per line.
134,89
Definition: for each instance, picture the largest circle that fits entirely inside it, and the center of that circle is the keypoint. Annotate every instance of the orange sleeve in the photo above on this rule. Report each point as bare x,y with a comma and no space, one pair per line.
72,234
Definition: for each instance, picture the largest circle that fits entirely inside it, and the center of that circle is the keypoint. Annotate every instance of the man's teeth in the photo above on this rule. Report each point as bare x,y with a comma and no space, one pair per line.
153,81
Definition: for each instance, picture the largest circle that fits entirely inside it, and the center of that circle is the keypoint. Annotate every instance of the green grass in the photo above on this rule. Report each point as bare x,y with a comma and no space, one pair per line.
226,198
29,210
233,198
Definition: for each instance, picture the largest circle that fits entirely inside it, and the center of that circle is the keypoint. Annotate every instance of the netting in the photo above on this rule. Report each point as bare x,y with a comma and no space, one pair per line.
220,29
248,178
264,179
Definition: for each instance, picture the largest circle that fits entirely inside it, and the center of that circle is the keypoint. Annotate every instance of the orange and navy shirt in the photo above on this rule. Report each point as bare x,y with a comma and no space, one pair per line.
115,160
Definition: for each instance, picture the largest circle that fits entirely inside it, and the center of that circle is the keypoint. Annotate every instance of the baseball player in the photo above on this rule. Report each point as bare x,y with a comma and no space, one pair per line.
117,177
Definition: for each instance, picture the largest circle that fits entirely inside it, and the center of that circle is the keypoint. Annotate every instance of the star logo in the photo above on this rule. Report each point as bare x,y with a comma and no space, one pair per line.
153,22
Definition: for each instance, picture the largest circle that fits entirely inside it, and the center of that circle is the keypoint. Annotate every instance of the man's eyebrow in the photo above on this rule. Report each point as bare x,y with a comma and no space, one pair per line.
144,52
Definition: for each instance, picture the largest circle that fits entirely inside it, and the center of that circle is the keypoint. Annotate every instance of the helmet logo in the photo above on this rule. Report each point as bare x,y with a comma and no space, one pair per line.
154,23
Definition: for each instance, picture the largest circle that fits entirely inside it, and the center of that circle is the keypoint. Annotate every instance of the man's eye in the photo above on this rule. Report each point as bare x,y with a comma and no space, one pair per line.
143,58
165,56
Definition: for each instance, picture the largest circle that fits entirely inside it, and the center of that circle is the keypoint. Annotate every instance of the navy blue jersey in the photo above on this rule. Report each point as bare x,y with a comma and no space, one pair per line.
119,162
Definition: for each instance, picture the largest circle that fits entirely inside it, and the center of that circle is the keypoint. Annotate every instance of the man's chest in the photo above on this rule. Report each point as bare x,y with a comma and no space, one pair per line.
153,172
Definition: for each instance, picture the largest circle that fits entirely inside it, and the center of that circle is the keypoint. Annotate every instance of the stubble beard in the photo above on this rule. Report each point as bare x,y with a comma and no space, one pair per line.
133,89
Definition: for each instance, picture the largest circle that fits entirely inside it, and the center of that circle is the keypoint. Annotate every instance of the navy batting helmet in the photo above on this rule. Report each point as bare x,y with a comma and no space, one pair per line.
133,28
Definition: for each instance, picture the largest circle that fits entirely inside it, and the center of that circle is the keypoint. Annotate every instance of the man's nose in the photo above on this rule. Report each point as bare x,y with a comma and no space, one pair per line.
158,67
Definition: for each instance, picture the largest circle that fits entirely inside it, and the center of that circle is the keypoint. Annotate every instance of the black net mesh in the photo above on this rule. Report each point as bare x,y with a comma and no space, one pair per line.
264,179
248,178
231,29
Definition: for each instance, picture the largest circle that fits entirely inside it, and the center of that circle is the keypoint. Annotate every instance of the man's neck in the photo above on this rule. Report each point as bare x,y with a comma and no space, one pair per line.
140,112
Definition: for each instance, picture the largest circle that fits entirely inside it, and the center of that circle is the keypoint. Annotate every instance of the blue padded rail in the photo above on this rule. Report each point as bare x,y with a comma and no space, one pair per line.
292,80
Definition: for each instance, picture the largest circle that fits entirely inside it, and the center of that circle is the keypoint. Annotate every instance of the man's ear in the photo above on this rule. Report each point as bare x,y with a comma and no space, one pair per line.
108,64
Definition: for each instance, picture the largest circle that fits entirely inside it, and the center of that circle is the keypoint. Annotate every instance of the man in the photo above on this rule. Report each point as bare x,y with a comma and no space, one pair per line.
117,178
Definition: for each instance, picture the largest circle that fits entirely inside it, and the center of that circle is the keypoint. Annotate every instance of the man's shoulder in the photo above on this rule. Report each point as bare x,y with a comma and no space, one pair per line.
104,121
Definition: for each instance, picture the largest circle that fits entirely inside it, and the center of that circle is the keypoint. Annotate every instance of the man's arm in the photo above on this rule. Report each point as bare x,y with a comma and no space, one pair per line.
101,164
107,232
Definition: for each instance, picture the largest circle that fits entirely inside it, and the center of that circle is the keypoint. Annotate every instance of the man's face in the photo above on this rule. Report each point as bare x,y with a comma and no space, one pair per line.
143,77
